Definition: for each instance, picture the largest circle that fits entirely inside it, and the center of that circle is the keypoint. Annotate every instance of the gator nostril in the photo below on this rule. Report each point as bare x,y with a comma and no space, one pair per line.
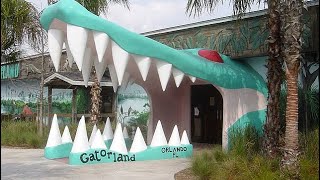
211,55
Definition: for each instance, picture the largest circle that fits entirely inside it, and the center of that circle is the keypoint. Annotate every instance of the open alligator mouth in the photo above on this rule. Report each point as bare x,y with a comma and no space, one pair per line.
165,73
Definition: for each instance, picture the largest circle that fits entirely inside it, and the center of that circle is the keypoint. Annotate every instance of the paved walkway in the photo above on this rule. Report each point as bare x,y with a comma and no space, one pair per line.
31,164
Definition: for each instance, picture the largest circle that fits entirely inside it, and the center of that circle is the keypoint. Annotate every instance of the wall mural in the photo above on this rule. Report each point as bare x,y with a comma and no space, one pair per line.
16,93
236,38
133,109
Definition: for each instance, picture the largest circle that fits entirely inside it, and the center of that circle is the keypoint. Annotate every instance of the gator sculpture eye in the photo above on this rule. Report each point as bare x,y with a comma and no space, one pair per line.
211,55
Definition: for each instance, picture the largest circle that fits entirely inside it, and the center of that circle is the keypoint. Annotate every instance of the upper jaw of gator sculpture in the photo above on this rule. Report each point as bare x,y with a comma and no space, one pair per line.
91,40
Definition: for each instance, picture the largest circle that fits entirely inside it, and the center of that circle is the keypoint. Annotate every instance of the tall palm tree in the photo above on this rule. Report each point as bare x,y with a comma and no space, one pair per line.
292,31
19,23
274,78
97,7
274,74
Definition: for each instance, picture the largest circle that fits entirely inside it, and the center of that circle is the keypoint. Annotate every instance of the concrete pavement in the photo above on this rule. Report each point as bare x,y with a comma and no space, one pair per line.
31,164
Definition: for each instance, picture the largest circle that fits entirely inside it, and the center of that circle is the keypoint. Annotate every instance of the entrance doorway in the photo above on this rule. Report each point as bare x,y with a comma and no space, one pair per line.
206,114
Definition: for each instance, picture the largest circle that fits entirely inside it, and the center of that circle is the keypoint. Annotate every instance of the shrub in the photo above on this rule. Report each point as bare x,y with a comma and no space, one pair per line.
244,142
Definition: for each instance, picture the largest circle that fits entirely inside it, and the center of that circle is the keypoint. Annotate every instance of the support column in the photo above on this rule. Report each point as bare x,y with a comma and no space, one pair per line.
49,104
114,107
74,105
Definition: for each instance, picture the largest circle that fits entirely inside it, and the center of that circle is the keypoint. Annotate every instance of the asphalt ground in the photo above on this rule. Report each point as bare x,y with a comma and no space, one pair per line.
31,164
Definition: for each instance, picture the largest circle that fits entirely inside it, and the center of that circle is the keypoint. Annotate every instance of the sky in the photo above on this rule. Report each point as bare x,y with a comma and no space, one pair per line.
150,15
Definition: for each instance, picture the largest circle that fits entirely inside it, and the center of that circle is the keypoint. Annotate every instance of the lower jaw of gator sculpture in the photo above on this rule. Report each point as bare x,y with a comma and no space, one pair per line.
109,147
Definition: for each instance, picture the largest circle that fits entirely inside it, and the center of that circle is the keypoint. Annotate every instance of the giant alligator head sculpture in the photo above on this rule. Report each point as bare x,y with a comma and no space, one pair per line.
165,73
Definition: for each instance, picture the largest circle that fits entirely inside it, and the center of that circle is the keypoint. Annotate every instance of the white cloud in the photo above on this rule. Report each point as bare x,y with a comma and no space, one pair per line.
149,15
153,15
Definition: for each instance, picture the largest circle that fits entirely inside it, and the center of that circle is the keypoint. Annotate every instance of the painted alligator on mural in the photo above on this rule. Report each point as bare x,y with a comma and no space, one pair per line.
130,57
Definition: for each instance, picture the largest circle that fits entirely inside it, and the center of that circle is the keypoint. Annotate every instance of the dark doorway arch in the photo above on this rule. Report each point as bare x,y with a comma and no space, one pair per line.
206,114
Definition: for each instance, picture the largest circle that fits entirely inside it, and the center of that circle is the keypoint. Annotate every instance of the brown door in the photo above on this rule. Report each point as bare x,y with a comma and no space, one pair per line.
206,114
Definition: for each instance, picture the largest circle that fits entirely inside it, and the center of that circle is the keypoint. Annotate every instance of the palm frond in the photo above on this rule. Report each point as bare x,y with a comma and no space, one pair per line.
101,6
196,7
19,23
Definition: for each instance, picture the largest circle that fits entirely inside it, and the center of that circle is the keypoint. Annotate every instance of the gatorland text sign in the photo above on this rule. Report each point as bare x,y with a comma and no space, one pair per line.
93,156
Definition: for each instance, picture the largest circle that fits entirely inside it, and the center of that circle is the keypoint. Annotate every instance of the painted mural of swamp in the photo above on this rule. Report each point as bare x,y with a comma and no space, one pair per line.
133,109
15,93
133,104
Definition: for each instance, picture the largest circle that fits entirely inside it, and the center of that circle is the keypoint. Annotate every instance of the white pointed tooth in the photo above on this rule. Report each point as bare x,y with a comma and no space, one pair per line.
81,143
164,71
120,60
77,40
118,143
125,80
125,133
158,139
69,54
175,137
178,76
66,137
100,67
193,79
55,44
143,65
93,133
114,78
138,143
87,66
54,138
101,41
107,131
184,138
98,142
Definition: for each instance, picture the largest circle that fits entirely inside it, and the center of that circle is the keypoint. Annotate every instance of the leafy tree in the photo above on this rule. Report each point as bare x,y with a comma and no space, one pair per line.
19,23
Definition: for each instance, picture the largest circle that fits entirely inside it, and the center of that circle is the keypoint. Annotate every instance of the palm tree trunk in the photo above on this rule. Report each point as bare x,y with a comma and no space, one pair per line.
272,126
40,132
95,100
292,48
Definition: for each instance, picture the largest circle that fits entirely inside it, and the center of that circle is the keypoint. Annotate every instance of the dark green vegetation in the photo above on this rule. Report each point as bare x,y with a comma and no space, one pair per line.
140,119
245,159
24,133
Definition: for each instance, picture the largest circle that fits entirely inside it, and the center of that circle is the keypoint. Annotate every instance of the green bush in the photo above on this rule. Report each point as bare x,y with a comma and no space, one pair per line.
202,165
244,142
245,161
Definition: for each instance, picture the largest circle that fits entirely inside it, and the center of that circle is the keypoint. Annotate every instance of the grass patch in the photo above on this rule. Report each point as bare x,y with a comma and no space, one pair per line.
21,134
24,133
245,161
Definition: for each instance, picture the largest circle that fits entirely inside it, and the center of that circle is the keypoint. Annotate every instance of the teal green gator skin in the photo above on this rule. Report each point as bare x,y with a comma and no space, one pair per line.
229,75
96,156
56,152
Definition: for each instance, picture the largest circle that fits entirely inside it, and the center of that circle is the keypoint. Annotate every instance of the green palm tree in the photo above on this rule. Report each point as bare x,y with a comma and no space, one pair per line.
274,74
292,31
19,23
97,7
